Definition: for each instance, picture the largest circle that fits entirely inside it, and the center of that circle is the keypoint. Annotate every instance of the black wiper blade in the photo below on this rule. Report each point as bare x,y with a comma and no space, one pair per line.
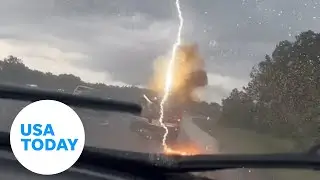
127,161
230,161
199,163
153,162
30,94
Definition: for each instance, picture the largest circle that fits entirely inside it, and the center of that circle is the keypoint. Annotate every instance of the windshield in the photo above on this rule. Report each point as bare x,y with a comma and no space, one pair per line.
244,74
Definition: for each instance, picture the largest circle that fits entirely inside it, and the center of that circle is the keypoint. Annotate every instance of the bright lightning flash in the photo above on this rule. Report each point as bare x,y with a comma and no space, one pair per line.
168,82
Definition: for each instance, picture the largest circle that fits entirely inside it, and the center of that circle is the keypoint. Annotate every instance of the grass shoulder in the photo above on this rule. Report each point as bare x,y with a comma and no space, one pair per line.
239,141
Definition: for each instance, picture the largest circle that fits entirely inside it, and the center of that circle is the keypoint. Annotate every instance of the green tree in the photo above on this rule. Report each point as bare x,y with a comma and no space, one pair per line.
283,94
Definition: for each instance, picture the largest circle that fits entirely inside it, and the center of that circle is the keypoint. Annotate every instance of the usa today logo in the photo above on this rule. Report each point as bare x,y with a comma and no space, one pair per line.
47,137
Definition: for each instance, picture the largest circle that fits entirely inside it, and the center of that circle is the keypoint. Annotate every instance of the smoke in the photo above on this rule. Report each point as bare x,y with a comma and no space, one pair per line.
189,74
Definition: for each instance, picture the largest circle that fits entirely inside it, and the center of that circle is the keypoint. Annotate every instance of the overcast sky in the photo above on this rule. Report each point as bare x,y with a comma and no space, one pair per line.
117,41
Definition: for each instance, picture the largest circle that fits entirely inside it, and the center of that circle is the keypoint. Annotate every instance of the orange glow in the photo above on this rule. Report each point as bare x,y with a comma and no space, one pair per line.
183,149
183,84
188,60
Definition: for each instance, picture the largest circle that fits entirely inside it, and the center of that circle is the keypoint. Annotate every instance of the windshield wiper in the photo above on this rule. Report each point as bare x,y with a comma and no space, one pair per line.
132,162
108,159
154,163
231,161
28,94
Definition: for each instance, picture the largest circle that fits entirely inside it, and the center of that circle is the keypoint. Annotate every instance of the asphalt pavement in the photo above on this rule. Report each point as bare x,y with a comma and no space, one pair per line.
112,130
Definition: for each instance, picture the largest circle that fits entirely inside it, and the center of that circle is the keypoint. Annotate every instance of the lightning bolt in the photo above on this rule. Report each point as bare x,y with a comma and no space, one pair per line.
169,77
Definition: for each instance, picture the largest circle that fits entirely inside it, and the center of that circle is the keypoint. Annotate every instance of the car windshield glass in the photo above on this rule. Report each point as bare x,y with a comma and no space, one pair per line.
242,76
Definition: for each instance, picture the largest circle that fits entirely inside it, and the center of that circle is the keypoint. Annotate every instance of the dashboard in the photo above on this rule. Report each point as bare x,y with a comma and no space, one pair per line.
11,169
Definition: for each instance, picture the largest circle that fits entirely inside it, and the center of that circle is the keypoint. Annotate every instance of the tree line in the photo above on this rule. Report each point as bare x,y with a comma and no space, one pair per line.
14,71
283,94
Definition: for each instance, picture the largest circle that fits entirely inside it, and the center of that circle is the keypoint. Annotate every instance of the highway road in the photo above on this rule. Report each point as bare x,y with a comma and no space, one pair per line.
112,130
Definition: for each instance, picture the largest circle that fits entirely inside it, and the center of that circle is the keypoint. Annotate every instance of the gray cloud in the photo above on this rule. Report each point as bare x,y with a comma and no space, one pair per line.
119,40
